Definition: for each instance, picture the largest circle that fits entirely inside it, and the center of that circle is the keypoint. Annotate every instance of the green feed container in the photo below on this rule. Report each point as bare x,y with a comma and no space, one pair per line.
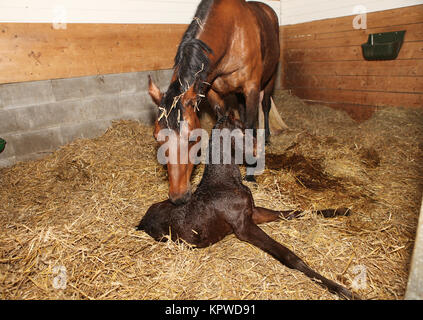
2,145
383,46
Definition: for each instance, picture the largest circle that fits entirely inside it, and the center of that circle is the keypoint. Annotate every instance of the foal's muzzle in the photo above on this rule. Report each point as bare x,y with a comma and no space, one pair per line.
180,199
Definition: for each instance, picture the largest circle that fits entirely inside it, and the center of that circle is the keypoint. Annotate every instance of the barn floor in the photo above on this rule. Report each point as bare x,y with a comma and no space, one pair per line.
68,220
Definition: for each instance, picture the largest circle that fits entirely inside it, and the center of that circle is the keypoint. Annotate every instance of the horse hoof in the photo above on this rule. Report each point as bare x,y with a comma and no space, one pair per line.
250,179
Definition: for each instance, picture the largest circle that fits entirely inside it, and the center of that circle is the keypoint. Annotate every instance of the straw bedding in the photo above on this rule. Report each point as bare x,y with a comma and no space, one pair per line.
77,209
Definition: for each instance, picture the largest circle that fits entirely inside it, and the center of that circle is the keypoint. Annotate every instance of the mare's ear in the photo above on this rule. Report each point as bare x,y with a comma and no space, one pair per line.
156,129
154,91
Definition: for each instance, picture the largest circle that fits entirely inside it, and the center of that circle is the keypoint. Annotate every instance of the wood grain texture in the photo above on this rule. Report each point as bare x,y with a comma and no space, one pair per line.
358,83
323,61
30,52
380,19
369,98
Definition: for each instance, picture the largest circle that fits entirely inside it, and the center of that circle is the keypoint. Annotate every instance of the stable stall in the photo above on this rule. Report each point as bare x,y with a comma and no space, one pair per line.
78,160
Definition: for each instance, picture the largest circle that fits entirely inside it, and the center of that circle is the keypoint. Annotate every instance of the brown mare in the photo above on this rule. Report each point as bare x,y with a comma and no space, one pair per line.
222,205
231,46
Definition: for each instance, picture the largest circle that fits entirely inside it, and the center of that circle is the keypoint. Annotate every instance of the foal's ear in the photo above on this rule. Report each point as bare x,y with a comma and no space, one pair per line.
154,91
190,96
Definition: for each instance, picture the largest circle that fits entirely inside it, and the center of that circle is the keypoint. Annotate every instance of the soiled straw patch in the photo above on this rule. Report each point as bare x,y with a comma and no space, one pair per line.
68,221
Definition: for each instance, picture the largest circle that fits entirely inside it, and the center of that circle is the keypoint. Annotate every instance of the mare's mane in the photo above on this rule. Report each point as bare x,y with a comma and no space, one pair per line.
191,66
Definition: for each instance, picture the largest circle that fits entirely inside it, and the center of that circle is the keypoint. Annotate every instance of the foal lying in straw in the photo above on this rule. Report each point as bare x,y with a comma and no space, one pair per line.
222,205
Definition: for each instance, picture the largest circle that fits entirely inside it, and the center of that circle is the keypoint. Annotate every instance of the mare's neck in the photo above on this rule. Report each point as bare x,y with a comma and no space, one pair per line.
209,27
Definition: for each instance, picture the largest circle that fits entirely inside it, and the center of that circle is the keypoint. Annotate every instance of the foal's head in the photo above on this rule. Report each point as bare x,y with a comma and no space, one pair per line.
235,130
177,105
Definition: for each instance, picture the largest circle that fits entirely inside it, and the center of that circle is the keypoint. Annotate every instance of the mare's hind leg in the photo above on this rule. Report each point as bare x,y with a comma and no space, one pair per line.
266,105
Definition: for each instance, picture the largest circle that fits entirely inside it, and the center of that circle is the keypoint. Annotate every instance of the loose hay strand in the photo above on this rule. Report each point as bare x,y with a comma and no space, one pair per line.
78,207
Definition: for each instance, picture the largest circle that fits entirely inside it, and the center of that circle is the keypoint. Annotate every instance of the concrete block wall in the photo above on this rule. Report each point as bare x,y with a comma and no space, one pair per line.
38,117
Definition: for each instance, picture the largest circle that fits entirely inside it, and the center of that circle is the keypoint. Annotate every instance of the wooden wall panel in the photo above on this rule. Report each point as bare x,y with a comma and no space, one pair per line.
380,19
100,38
322,61
300,11
30,52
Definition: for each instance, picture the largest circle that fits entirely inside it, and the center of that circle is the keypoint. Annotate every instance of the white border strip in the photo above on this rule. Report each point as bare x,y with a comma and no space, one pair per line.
300,11
102,11
415,280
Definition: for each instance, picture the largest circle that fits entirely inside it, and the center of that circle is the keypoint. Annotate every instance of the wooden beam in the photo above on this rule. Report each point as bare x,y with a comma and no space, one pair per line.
409,50
353,68
393,17
369,98
358,83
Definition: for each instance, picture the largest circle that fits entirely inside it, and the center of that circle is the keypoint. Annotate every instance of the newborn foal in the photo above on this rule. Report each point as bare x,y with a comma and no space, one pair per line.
222,205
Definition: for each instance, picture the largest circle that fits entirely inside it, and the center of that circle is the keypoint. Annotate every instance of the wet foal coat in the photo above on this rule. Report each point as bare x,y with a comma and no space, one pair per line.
222,205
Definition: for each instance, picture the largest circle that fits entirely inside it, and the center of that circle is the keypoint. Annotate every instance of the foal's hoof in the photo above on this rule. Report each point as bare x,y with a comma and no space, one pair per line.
250,178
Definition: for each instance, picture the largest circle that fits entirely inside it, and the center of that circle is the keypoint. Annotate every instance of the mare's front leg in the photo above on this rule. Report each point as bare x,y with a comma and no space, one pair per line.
241,107
252,102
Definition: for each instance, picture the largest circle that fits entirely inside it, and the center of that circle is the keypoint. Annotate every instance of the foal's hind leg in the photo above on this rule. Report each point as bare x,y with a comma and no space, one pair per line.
331,213
251,233
263,215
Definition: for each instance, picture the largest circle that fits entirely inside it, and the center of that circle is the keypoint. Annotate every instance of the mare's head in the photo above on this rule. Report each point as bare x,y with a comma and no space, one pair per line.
176,105
179,103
